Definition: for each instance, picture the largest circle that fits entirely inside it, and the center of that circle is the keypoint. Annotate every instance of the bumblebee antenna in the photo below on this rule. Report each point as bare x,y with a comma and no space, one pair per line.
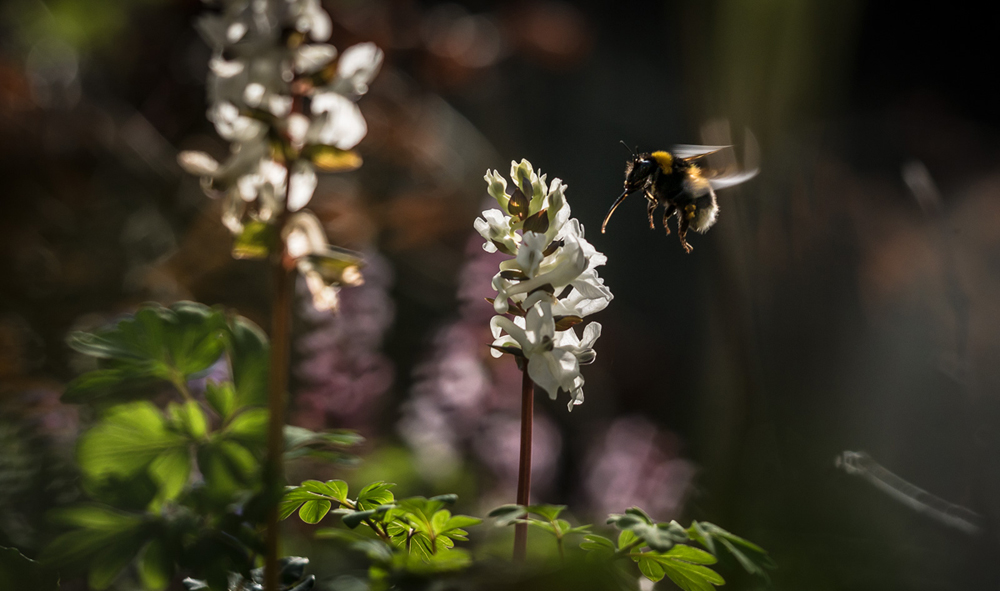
613,208
626,147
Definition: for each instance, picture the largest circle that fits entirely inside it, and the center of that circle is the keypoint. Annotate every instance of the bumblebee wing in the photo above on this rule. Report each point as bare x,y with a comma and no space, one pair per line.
691,151
729,173
730,179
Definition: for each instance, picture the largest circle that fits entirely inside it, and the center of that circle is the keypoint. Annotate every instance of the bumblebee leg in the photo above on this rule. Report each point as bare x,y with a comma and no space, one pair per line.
650,208
682,228
668,211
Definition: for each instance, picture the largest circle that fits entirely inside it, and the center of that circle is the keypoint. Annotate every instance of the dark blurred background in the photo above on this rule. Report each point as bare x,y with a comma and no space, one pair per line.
833,307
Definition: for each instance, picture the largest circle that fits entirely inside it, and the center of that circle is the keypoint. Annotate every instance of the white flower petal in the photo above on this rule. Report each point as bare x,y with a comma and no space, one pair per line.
356,68
301,186
338,121
312,57
197,163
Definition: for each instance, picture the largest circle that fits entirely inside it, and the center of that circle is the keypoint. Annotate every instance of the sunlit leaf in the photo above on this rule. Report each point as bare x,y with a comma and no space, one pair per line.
375,494
221,397
255,241
507,514
312,512
331,159
249,427
171,470
156,566
170,344
128,438
248,348
190,418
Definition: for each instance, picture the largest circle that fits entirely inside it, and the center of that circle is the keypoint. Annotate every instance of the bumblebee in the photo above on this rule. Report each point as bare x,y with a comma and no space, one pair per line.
674,180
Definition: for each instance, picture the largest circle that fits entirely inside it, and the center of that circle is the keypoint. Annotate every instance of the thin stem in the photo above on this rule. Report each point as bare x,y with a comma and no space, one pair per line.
627,550
374,527
524,470
177,378
277,402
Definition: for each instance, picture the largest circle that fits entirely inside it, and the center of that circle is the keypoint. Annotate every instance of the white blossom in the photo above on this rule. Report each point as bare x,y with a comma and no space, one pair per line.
551,281
269,60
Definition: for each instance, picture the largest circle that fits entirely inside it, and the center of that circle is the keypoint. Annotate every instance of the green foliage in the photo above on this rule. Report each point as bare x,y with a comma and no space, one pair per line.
751,557
412,536
177,486
169,344
543,517
664,550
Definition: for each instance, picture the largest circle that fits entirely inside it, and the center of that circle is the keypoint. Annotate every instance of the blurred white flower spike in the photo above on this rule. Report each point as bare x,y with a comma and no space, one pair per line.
286,101
549,285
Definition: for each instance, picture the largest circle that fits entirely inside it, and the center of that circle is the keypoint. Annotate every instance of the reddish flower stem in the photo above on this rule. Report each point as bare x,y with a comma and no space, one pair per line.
524,469
277,403
283,273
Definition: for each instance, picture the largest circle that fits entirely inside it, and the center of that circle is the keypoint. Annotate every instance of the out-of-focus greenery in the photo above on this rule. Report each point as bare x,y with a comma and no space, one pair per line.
174,475
175,479
84,24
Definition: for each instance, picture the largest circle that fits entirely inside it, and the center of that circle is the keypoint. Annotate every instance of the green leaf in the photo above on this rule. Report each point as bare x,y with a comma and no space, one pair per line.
127,440
168,344
650,569
442,561
751,557
543,525
447,499
221,397
549,512
626,537
354,519
375,494
106,541
255,241
104,385
293,499
636,511
298,437
227,467
331,159
95,517
248,353
189,418
312,512
171,470
336,489
689,554
460,521
507,514
598,545
439,520
691,577
249,427
660,537
110,562
156,566
698,533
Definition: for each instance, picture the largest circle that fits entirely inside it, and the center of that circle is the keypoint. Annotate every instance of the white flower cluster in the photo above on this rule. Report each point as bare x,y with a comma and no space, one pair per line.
286,101
549,286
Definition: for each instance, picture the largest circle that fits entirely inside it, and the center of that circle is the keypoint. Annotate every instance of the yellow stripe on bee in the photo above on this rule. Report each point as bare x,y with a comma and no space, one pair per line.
665,160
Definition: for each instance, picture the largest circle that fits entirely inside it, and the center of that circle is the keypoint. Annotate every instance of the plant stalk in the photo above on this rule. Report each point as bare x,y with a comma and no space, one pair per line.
524,469
281,313
283,271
